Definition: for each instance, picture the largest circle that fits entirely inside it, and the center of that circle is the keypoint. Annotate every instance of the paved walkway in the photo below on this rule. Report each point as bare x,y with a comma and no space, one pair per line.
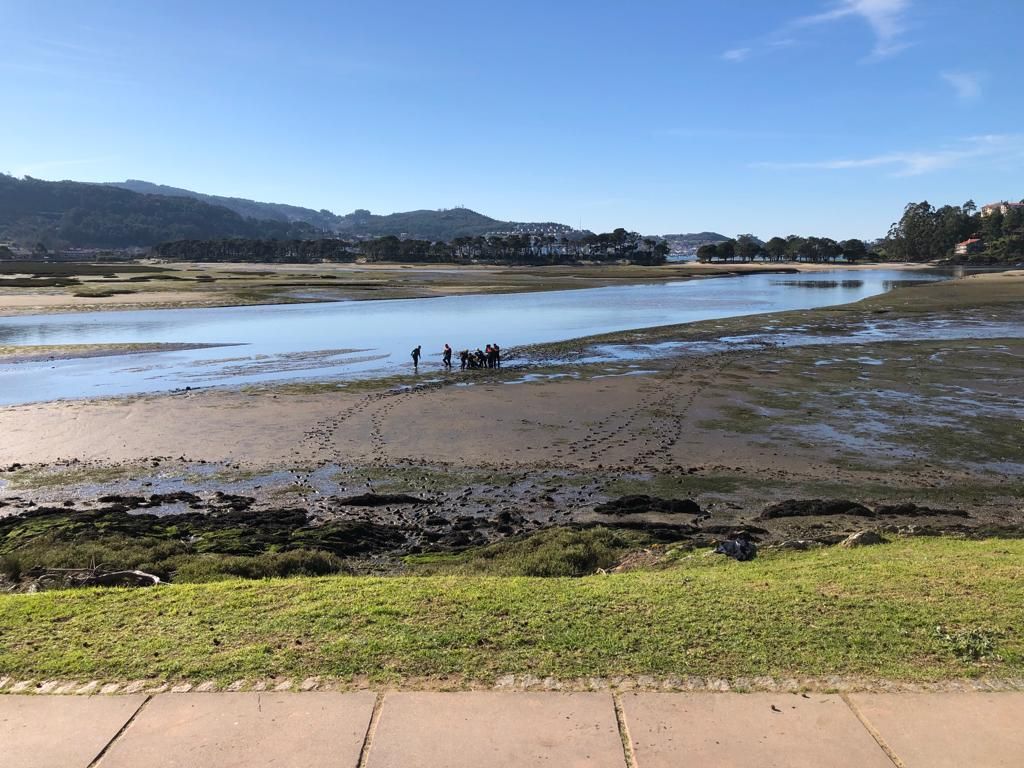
509,730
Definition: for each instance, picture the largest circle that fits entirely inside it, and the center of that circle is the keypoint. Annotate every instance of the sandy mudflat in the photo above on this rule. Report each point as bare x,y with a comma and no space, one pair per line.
622,421
35,353
933,422
222,285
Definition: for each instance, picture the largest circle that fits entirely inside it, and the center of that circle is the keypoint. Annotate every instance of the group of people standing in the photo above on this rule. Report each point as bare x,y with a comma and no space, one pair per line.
490,357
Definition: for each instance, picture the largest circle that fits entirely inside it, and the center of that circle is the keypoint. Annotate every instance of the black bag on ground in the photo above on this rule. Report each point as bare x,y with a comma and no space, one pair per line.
737,549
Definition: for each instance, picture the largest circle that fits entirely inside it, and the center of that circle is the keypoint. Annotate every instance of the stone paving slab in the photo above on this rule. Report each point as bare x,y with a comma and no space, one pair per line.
245,730
756,730
949,730
60,731
497,730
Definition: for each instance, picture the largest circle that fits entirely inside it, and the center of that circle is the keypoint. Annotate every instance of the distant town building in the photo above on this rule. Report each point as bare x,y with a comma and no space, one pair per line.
973,245
1003,207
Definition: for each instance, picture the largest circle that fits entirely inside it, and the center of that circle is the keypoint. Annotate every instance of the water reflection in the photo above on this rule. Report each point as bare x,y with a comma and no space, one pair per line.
350,339
823,283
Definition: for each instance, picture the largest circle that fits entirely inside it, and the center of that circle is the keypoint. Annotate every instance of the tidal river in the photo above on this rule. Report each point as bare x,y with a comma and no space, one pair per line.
340,340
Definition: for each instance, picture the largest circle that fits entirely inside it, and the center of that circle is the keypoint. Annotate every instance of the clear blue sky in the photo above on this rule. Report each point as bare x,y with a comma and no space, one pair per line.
799,116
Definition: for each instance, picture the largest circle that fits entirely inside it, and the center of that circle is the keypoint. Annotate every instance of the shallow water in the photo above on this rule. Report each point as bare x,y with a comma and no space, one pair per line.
352,339
901,329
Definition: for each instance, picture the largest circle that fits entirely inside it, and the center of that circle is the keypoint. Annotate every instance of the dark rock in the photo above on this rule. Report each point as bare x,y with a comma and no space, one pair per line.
664,532
380,500
913,510
185,497
732,531
862,539
231,501
640,503
815,507
128,502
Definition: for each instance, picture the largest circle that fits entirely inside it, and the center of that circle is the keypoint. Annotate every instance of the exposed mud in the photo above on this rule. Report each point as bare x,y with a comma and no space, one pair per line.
383,528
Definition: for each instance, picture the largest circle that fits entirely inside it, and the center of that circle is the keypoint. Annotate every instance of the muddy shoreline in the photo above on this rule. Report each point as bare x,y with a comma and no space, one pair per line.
42,353
374,532
739,417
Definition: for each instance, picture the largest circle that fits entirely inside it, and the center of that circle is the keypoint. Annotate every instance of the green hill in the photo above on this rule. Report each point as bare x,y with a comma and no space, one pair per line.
422,225
62,214
76,214
443,224
250,209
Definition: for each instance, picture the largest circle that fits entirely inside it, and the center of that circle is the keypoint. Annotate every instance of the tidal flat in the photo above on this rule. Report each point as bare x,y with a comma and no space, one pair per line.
909,403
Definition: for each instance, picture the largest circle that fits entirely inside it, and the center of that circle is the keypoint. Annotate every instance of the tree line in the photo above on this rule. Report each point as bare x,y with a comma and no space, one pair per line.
746,248
926,233
923,233
515,249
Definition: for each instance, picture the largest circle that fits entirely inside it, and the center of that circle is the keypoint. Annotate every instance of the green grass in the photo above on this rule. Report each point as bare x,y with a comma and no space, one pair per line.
911,610
550,552
40,478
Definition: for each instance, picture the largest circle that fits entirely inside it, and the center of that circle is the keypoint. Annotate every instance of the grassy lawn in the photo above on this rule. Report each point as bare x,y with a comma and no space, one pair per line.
872,612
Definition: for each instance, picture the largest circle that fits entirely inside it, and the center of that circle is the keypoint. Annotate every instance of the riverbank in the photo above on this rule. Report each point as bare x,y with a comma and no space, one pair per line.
43,288
910,398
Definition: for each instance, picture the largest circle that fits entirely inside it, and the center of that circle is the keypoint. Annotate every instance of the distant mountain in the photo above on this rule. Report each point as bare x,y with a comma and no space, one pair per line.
444,224
687,244
250,209
76,214
697,237
72,214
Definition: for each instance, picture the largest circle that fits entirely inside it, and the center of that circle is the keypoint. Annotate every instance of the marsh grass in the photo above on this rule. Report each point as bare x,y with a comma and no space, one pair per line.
554,552
857,612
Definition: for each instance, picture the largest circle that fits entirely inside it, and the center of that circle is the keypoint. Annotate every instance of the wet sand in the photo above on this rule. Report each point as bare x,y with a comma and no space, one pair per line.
36,353
735,427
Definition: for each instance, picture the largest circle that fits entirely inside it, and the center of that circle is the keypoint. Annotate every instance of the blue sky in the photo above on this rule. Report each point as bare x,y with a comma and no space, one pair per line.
813,117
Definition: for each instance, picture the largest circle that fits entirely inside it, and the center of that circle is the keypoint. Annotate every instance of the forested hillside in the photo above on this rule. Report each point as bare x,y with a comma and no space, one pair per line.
62,214
442,224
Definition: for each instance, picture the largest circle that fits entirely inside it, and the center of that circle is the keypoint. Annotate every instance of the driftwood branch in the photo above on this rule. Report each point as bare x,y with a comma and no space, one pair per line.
51,578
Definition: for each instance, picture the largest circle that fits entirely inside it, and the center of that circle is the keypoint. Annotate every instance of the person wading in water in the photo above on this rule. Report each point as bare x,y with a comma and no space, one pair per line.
446,357
416,357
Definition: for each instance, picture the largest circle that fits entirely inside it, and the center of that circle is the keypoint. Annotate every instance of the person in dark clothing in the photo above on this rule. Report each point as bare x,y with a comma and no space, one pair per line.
464,359
497,355
489,354
481,358
446,357
416,357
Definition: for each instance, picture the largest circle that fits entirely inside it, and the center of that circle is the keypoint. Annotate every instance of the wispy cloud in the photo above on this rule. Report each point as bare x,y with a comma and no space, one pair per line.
966,85
736,54
1001,147
887,19
67,61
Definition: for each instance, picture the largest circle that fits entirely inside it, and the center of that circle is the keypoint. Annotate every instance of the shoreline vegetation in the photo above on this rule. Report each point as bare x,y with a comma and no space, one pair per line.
924,610
961,234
